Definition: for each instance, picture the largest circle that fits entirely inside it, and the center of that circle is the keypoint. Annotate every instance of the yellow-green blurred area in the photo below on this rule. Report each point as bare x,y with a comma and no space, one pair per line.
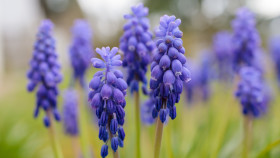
201,130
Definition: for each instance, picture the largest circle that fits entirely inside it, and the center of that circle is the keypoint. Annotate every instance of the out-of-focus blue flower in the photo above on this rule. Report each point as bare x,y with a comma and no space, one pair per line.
107,96
147,110
168,68
245,40
45,72
137,45
205,74
81,49
274,46
70,112
222,46
202,73
250,92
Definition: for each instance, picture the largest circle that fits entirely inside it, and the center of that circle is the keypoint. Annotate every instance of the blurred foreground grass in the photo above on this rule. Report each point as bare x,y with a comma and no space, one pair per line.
202,130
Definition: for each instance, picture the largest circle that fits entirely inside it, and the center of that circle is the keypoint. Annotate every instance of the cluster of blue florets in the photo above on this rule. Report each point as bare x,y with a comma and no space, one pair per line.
45,73
251,92
81,49
70,112
222,47
168,68
202,73
245,39
137,45
107,96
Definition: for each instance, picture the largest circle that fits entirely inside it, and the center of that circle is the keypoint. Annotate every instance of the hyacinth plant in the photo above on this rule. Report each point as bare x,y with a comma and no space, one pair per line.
45,74
137,46
80,50
70,114
70,118
168,72
201,79
251,94
275,54
245,40
222,48
80,53
245,45
107,96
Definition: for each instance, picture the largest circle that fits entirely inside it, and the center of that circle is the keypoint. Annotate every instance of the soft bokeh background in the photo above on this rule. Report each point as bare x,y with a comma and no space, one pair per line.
204,129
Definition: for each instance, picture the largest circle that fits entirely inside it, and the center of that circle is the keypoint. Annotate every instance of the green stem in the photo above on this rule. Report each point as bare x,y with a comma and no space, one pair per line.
116,154
159,130
169,143
248,131
54,141
76,146
138,124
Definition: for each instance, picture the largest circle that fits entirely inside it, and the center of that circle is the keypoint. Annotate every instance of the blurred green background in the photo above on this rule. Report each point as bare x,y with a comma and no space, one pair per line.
201,130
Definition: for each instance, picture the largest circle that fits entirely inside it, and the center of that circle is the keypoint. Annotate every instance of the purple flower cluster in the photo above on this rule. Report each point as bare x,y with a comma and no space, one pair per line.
202,72
245,40
251,92
205,74
81,49
169,69
45,72
137,45
275,53
107,96
70,112
222,46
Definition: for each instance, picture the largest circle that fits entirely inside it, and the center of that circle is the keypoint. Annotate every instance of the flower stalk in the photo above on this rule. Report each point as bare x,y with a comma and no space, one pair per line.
138,124
159,131
53,138
248,131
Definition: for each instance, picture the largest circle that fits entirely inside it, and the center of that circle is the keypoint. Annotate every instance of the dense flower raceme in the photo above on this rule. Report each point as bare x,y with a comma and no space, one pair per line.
202,74
205,74
251,92
169,69
275,53
137,45
81,49
222,47
45,73
245,40
107,96
70,112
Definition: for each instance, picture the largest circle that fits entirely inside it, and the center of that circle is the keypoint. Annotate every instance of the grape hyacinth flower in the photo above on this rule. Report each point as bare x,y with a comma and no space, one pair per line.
205,73
250,92
70,112
168,70
245,40
191,86
199,87
274,46
81,49
137,46
45,73
222,46
107,96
